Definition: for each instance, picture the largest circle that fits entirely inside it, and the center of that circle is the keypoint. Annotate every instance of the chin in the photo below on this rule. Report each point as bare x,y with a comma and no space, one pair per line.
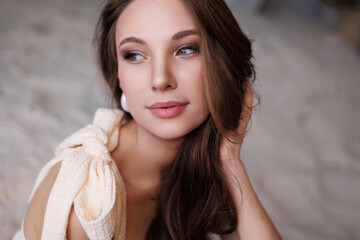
172,131
172,128
175,135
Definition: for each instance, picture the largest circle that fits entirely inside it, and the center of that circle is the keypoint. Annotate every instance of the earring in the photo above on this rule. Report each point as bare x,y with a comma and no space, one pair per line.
124,104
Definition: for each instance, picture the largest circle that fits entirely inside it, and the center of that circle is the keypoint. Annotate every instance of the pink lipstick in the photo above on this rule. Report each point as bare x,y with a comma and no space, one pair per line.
167,109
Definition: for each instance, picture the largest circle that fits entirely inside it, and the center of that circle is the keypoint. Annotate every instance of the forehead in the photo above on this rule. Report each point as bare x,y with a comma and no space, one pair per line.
143,18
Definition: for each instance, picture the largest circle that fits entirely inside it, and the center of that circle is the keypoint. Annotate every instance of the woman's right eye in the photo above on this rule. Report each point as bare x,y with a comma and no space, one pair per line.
133,57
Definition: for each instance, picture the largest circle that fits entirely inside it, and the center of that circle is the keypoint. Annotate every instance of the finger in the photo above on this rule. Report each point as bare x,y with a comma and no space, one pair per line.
246,111
232,148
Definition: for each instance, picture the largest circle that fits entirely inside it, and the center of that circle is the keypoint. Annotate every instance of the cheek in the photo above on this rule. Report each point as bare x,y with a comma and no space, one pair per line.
194,85
132,83
124,76
131,77
189,74
201,102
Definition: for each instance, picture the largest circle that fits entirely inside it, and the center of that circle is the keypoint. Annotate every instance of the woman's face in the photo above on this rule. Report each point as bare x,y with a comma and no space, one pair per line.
160,67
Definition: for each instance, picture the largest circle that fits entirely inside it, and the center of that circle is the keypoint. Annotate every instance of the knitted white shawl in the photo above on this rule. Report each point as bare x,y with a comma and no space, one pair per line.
89,179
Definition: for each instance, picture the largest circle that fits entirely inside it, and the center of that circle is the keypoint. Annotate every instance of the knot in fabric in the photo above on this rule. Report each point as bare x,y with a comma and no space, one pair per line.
96,148
89,180
105,129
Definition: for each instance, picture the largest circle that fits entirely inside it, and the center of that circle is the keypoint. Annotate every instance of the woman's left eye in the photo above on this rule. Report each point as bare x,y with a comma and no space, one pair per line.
133,56
188,50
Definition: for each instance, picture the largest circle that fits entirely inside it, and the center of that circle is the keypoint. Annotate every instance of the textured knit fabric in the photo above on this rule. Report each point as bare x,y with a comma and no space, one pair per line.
89,179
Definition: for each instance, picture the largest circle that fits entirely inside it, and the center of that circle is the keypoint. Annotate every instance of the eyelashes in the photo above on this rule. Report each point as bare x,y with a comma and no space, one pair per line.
183,51
133,56
188,50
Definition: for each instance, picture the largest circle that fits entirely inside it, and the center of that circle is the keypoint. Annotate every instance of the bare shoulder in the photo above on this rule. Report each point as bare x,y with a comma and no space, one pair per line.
75,230
34,217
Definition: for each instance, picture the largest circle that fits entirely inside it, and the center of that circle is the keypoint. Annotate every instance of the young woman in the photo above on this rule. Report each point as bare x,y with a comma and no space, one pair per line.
168,165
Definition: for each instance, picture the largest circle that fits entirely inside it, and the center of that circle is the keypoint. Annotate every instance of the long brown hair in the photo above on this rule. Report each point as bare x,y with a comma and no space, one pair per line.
194,199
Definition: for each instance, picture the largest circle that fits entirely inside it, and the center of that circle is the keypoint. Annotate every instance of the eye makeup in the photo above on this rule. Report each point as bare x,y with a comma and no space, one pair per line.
188,50
132,56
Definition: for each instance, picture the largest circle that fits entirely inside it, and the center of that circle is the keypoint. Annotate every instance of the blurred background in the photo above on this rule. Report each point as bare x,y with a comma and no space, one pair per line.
302,153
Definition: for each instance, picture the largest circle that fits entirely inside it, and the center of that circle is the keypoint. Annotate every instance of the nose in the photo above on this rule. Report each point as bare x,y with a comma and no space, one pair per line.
162,77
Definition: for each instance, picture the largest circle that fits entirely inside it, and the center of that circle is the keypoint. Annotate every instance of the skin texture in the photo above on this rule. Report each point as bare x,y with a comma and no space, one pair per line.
35,213
161,69
158,61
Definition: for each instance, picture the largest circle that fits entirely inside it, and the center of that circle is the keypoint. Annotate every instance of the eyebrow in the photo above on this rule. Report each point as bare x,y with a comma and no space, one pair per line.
185,33
176,36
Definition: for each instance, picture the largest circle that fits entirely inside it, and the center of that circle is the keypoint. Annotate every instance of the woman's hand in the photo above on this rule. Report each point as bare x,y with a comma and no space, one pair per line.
230,147
253,221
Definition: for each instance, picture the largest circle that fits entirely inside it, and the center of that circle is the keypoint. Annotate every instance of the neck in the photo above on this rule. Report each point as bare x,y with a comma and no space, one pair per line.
154,152
144,155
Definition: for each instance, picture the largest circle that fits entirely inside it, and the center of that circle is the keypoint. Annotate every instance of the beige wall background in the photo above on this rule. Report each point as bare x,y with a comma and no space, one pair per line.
303,150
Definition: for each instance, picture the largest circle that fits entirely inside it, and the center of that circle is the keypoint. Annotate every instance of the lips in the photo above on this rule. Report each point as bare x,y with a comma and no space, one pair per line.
166,104
167,109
